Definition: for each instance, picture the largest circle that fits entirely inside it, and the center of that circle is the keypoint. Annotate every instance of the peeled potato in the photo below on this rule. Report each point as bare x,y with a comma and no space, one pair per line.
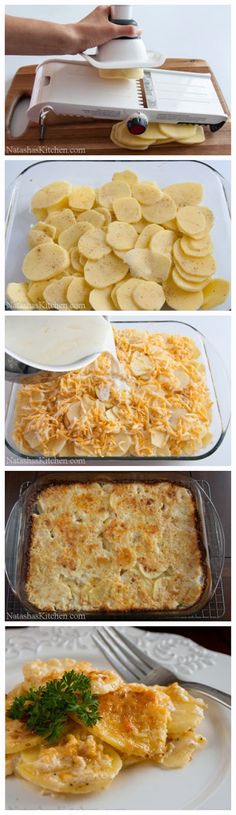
180,300
93,244
105,272
70,236
144,239
127,209
55,293
100,299
45,261
162,241
124,295
78,294
185,193
197,138
189,277
92,217
161,211
36,237
190,220
146,264
147,192
52,196
121,134
215,293
60,220
121,236
126,175
81,198
148,295
17,295
43,226
197,266
75,260
178,131
187,285
209,217
192,249
36,293
112,190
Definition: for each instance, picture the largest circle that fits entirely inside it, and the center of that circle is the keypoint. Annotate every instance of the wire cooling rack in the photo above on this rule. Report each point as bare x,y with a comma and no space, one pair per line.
214,610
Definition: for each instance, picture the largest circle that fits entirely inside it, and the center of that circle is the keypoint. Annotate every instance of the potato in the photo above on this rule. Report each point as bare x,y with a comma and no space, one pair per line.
215,293
124,295
185,193
52,196
61,220
147,192
75,260
162,241
144,239
78,294
112,190
192,249
148,295
161,211
127,209
45,261
43,226
55,293
190,220
106,215
36,237
105,272
36,293
126,175
93,244
178,131
120,73
70,236
92,217
197,266
188,285
121,236
81,198
180,300
121,135
100,299
148,265
17,295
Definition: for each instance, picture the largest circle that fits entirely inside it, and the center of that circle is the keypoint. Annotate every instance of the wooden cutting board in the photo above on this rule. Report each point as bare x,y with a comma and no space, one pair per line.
79,136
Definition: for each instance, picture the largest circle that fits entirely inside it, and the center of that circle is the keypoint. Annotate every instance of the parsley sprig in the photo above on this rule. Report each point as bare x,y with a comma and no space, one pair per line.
46,710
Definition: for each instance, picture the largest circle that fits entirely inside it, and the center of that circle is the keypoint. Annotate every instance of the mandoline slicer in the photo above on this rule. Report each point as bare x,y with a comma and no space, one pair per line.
74,88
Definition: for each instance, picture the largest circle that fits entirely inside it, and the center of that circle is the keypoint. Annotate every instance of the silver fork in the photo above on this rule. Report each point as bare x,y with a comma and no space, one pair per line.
135,666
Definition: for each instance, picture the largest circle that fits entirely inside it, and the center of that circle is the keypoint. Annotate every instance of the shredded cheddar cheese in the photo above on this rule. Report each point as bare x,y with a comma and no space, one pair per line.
161,407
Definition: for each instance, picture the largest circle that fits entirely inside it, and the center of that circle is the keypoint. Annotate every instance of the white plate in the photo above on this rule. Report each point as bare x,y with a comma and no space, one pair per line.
20,192
203,784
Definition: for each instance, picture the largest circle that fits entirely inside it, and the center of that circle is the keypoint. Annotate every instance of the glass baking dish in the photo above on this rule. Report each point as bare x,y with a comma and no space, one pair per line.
18,541
217,382
95,173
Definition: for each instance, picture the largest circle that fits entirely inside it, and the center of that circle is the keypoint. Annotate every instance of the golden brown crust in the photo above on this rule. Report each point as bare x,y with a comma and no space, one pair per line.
115,547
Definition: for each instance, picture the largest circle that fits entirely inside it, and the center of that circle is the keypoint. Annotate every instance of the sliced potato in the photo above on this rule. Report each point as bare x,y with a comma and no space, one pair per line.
197,266
45,261
93,244
185,193
215,293
188,285
178,131
209,217
198,138
163,241
70,236
144,239
120,133
75,260
189,277
121,236
120,73
192,249
127,209
112,190
126,175
36,293
106,215
124,295
105,272
52,196
61,220
78,294
92,217
17,295
161,211
100,299
148,295
55,293
49,229
36,237
190,220
181,300
81,198
148,265
147,192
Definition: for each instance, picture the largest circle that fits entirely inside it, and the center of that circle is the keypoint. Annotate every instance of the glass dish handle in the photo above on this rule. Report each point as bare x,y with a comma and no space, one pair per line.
12,538
216,538
221,382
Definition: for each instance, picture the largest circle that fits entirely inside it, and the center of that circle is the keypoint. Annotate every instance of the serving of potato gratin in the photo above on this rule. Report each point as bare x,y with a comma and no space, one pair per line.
159,405
71,728
128,245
